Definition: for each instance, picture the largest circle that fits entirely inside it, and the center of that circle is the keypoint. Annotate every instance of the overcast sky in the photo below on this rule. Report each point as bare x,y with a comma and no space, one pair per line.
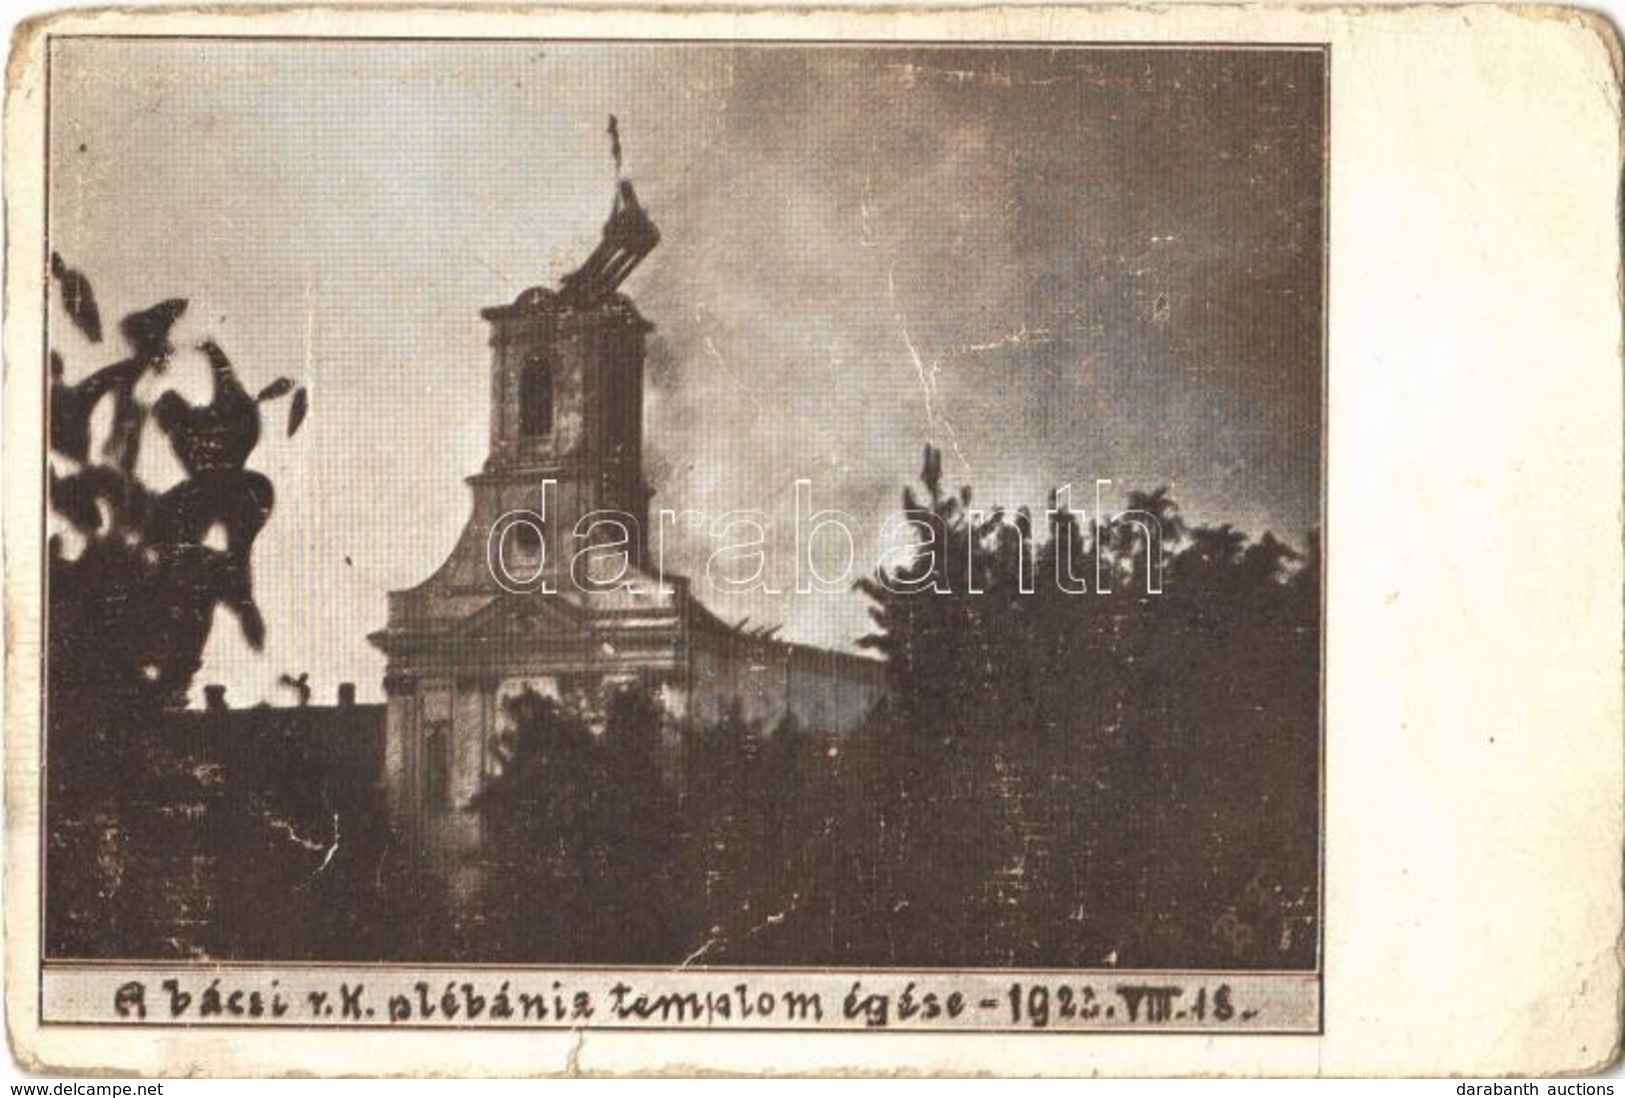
1058,265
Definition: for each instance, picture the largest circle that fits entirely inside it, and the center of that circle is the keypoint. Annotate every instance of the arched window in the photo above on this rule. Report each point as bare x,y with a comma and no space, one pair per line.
536,397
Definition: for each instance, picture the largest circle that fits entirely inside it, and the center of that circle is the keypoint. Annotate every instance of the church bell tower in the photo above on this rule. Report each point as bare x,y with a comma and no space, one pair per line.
567,391
566,441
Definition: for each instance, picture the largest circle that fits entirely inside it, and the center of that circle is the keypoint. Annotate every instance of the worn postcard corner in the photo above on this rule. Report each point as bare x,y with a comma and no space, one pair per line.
635,541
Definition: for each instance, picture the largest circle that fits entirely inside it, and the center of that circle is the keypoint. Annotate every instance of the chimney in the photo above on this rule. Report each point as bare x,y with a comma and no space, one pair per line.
346,695
214,698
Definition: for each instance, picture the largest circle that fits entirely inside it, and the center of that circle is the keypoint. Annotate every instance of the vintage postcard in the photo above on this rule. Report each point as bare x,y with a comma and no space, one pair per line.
768,541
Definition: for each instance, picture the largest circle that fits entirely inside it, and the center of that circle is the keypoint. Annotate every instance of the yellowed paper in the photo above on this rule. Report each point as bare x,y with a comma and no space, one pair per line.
1316,771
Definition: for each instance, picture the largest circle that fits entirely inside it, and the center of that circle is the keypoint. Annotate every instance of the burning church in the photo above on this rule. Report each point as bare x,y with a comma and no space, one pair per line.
566,424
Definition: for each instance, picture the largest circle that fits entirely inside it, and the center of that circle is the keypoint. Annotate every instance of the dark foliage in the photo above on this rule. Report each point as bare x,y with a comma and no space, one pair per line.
1113,775
133,584
581,837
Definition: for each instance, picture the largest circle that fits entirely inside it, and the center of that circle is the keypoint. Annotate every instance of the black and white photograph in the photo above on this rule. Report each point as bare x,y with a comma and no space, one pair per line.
1065,541
704,506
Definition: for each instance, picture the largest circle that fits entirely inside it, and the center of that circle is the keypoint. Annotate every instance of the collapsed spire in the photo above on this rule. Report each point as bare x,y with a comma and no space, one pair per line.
629,236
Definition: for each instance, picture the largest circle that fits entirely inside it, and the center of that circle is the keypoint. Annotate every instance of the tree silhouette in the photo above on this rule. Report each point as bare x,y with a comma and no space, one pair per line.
587,816
1062,742
132,587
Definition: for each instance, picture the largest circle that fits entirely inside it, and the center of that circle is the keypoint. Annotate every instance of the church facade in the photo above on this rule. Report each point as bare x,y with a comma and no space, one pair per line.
504,613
